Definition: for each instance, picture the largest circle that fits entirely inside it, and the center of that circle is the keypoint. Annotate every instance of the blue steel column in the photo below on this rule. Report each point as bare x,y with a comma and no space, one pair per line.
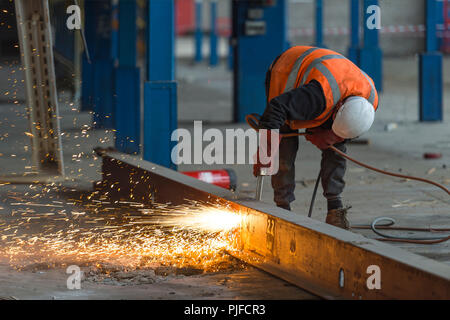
198,31
230,59
97,83
231,41
213,58
127,81
87,71
115,30
371,56
160,91
353,50
430,70
99,42
319,23
253,54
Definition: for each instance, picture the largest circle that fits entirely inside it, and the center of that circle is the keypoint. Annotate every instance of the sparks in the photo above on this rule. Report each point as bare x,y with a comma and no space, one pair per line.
210,219
126,234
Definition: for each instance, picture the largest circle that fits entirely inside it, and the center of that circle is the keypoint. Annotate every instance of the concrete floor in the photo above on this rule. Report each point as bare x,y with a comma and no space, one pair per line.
200,89
51,285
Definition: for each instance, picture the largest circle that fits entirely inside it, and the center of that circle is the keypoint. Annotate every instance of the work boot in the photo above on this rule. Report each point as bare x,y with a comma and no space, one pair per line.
338,218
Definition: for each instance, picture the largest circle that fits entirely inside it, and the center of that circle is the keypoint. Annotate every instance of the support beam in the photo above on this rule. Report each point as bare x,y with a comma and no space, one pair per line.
103,92
198,31
127,81
430,70
371,56
319,24
98,80
353,50
213,57
230,59
114,30
315,256
36,47
160,91
87,68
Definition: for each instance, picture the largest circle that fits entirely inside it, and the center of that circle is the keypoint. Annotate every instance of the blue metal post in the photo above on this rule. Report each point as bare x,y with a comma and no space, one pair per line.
430,69
319,23
87,71
115,30
230,53
87,85
371,56
127,81
99,43
213,58
353,50
97,86
440,20
160,92
431,21
198,31
255,52
231,41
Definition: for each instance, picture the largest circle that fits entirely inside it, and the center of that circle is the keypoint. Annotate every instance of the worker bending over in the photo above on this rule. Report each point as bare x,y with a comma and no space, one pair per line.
324,92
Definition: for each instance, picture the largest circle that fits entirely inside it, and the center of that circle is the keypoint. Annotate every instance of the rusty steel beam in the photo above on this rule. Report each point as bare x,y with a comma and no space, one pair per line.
327,261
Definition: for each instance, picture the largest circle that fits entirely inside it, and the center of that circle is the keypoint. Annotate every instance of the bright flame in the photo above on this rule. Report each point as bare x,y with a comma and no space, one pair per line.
209,219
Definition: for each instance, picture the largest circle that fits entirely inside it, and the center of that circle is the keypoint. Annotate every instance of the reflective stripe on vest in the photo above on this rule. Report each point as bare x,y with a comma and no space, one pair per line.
335,91
372,90
317,63
292,79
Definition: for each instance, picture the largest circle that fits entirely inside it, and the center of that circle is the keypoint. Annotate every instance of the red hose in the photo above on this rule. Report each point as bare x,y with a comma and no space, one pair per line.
342,154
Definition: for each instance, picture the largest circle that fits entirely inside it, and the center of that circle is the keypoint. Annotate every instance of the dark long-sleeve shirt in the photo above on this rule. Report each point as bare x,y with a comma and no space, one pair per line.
303,103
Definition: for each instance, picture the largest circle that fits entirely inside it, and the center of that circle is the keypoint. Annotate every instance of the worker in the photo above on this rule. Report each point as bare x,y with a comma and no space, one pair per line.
323,92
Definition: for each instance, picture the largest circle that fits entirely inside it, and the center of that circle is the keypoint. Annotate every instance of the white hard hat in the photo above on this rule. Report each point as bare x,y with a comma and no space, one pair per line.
354,118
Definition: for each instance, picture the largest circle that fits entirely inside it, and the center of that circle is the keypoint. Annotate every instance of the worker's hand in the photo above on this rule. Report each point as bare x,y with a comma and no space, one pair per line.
267,154
322,138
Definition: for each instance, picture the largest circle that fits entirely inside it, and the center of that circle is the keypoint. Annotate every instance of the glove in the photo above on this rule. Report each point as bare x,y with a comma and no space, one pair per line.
269,142
322,138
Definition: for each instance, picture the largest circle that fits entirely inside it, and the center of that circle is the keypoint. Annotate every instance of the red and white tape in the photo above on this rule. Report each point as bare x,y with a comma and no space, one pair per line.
224,29
342,31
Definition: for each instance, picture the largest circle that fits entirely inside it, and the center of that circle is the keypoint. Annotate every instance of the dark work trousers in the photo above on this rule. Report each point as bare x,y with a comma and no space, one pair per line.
333,170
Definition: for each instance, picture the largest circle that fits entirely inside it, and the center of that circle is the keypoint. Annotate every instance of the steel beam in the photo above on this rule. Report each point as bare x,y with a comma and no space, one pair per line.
371,55
213,38
198,31
315,256
160,91
127,103
36,46
98,79
319,24
353,50
87,68
430,70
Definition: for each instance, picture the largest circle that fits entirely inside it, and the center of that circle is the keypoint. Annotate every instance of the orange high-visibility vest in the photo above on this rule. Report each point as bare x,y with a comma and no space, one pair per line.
339,77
